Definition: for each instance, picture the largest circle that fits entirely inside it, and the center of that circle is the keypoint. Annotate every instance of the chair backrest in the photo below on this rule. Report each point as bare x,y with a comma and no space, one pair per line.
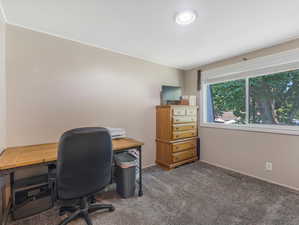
84,162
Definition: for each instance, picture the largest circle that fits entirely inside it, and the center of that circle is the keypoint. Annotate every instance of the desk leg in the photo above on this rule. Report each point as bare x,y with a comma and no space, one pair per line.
2,203
140,172
12,182
5,208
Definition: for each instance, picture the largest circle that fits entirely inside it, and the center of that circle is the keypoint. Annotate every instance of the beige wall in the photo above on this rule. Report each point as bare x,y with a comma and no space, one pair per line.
2,85
190,82
245,151
55,84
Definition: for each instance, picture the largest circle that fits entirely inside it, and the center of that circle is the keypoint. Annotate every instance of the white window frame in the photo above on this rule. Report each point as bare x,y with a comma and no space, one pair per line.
285,61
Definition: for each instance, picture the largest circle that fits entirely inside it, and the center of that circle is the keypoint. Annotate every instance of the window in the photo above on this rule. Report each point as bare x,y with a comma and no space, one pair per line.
228,102
274,99
271,99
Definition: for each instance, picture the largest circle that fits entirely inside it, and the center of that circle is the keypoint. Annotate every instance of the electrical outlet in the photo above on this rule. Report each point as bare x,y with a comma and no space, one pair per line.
269,166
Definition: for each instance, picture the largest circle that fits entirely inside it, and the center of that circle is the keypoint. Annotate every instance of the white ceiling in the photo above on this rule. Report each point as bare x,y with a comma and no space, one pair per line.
146,29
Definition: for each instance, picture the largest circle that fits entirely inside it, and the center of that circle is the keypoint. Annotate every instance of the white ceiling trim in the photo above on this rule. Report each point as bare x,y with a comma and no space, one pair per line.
95,46
218,59
293,37
2,13
140,30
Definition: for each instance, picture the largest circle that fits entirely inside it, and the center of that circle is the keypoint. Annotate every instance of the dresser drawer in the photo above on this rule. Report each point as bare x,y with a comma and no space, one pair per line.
191,111
184,119
179,111
181,146
184,127
184,134
180,156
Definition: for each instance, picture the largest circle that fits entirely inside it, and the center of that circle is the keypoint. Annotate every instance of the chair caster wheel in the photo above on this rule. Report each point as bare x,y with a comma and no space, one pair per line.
62,213
93,201
111,209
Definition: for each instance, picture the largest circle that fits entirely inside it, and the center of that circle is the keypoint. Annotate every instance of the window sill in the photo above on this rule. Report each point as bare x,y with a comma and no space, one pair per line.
275,129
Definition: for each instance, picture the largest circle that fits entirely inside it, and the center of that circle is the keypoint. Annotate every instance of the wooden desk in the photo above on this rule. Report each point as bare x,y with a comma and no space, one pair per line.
18,158
13,158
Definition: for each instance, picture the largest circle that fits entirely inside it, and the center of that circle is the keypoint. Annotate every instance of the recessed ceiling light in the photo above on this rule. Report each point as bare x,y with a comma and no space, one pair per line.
185,17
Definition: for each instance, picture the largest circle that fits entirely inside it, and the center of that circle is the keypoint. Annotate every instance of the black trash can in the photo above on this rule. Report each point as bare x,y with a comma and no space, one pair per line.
125,174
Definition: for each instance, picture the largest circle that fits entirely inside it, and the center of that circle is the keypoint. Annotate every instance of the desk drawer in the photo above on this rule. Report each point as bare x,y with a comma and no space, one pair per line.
184,119
184,127
181,146
184,134
180,156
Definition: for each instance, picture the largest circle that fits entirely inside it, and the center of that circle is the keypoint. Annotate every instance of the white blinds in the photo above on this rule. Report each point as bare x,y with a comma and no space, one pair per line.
288,60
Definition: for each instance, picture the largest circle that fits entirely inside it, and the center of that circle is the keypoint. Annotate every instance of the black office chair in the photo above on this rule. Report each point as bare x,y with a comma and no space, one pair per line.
84,167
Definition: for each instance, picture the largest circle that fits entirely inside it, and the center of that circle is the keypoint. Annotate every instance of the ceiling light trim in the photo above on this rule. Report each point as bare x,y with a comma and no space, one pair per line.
185,17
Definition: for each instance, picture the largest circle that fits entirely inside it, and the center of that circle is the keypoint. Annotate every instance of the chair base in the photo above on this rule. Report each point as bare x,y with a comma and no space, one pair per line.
83,211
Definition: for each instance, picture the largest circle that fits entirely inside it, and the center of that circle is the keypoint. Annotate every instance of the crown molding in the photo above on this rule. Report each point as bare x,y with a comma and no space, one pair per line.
154,61
2,13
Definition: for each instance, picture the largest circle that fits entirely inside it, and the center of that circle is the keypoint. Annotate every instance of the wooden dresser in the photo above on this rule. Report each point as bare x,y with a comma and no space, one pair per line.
176,142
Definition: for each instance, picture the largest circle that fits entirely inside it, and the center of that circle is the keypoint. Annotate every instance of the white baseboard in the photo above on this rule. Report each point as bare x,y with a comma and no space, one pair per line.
250,175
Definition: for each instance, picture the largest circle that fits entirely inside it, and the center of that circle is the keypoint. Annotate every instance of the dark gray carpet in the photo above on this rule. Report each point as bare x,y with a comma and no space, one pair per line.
194,194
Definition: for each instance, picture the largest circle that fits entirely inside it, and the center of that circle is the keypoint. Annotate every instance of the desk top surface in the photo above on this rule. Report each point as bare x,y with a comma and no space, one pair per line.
36,154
